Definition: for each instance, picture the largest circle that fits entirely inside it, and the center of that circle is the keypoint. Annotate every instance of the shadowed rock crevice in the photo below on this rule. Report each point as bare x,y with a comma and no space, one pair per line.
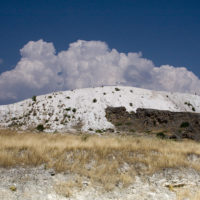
166,124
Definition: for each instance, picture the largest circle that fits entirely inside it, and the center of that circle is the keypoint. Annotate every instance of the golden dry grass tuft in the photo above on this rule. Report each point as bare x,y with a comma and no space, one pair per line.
186,193
66,188
105,160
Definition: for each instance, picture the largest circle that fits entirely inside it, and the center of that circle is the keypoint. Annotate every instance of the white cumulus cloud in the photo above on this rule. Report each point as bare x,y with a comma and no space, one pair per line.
87,64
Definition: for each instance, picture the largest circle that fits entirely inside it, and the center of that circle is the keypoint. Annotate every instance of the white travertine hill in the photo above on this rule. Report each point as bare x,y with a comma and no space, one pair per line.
86,107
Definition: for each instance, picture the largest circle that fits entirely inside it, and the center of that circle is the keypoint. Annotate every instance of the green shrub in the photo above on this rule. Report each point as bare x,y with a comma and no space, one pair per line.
130,104
160,135
190,105
65,115
94,100
74,110
13,188
99,131
68,109
34,113
117,89
184,124
34,98
118,124
148,131
40,127
128,123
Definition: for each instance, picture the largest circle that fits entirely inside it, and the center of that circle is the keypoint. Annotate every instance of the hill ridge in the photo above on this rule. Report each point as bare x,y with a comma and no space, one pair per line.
84,109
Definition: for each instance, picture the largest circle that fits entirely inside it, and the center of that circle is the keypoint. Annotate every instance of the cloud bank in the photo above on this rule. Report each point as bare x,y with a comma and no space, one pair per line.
87,64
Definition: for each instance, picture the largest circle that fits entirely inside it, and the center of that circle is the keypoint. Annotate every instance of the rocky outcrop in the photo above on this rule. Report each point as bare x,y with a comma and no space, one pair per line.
174,125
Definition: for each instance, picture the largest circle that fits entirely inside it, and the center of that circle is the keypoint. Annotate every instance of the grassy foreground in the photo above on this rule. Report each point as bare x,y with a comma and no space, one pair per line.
103,159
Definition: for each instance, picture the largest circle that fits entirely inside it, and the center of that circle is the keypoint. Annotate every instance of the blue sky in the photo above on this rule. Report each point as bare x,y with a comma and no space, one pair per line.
166,32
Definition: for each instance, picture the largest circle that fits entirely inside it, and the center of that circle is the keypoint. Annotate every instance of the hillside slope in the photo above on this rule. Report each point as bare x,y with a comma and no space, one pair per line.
84,109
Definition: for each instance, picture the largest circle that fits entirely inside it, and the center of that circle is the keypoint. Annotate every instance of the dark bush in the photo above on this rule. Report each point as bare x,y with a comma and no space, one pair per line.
40,127
94,100
118,124
160,135
99,131
34,98
128,123
184,124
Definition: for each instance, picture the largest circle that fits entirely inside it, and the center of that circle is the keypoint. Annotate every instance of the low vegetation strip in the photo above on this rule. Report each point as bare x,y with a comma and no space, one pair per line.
106,160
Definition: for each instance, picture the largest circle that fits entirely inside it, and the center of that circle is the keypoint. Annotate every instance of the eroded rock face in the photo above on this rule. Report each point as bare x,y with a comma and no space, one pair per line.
174,125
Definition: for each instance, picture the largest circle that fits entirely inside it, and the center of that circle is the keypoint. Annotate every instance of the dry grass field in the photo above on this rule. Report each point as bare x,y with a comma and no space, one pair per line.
105,160
186,194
